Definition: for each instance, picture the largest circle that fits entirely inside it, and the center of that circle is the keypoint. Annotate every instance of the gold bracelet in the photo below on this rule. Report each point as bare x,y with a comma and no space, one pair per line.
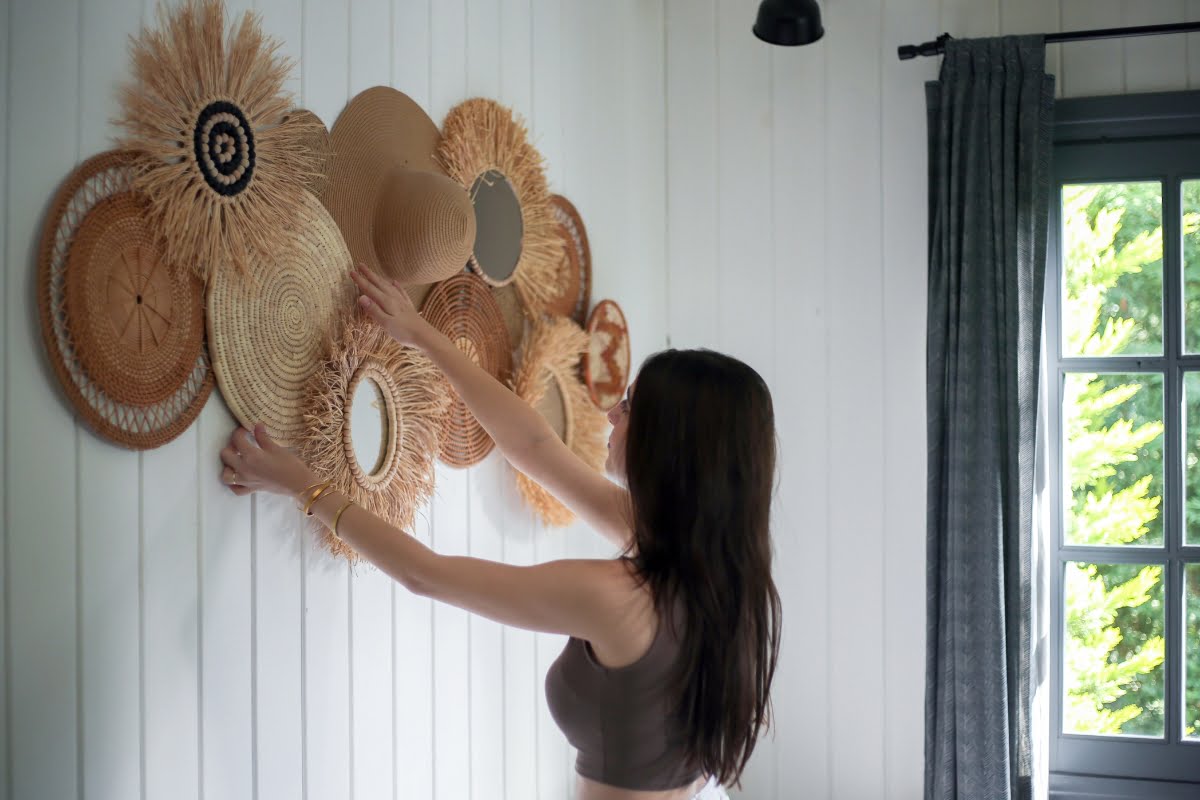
309,488
325,487
338,516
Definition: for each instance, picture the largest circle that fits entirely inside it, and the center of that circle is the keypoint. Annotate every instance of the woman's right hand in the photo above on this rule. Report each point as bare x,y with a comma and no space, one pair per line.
389,305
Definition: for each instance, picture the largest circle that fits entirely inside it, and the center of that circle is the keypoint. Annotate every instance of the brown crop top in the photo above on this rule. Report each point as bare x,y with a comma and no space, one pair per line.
619,718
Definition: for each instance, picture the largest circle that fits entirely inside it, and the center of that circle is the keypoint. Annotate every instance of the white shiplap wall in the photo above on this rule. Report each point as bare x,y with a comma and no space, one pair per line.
796,240
163,639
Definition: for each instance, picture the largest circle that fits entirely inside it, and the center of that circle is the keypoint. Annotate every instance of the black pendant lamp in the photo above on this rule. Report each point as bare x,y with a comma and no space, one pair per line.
789,22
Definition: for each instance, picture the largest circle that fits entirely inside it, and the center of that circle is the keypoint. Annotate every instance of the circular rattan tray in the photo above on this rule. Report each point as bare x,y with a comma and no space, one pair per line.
268,329
464,309
135,426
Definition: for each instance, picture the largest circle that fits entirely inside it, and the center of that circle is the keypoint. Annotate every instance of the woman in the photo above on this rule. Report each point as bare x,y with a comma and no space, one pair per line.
664,684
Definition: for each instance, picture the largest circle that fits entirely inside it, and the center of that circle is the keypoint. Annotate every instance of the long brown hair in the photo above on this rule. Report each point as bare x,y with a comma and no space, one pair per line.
700,466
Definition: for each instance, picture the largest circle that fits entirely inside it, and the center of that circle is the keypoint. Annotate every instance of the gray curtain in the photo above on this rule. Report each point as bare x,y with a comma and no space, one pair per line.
990,118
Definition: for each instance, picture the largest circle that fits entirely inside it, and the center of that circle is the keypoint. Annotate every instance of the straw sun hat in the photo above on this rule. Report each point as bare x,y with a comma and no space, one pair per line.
399,213
123,330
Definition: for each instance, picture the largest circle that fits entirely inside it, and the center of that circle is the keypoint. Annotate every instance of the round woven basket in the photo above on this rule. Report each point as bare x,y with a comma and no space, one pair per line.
548,379
414,406
464,309
132,425
513,310
138,324
567,216
606,363
268,329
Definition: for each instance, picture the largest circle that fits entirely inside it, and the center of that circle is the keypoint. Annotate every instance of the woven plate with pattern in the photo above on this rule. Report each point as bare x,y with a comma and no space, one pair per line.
568,217
464,309
606,363
169,395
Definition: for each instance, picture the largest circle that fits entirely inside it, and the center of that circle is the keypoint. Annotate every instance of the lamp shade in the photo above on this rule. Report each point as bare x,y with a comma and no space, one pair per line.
789,22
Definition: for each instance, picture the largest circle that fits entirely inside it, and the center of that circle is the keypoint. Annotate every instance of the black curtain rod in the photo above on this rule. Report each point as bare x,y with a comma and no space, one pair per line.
938,46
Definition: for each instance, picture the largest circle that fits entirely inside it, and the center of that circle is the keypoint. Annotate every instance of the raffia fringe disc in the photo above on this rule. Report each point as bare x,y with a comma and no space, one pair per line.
268,329
548,380
606,364
319,147
567,216
134,426
480,136
223,165
415,403
464,310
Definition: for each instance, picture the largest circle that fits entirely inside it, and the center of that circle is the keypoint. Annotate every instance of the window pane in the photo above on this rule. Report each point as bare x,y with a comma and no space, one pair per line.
1191,265
1191,457
1112,257
1113,458
1113,649
1191,637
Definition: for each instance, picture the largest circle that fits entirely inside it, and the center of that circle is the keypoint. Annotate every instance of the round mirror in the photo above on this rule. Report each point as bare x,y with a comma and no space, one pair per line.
498,228
369,426
553,407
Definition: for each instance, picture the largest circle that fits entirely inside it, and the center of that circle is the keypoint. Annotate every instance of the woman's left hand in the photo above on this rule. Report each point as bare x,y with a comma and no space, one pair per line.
255,462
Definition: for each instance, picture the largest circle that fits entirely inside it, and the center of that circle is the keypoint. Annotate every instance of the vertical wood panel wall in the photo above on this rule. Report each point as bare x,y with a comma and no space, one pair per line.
796,239
163,639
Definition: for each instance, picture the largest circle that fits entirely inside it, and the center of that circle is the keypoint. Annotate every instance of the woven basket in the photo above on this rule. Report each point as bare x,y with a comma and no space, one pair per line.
269,329
464,310
317,142
567,216
136,426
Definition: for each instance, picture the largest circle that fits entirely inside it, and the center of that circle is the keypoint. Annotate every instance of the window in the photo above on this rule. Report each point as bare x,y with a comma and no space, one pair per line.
1123,328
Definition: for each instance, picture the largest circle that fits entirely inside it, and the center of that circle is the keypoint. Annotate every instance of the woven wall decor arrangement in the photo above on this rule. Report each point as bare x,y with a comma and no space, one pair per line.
464,310
268,328
401,216
576,239
123,330
606,362
548,379
415,402
222,164
487,150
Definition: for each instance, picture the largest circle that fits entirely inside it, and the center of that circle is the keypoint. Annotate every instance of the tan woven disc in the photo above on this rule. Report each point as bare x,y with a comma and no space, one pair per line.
318,144
138,324
568,280
268,331
133,426
513,311
567,216
464,310
606,363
